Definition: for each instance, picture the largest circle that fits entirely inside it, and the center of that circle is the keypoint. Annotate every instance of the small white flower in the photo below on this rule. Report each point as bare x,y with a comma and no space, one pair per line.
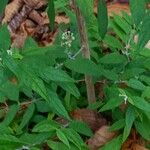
67,39
9,52
125,97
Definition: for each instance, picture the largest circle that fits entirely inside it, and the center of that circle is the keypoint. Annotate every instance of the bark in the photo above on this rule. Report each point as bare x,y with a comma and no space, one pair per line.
85,50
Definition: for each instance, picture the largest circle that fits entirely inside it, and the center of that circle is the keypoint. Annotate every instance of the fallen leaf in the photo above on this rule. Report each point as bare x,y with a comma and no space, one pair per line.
100,138
90,117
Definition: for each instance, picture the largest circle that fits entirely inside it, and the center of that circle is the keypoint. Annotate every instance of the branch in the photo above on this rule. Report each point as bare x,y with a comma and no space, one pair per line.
85,50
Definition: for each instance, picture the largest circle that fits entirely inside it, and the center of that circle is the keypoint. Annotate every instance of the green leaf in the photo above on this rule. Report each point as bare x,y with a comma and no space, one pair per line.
102,18
114,143
113,42
10,115
36,138
62,137
81,127
56,105
51,13
8,141
30,43
122,23
138,9
113,58
52,74
117,125
144,34
27,116
45,126
74,137
112,103
70,88
145,52
56,146
146,79
146,92
130,117
5,40
3,4
109,74
86,7
28,77
143,128
10,90
140,103
83,66
136,84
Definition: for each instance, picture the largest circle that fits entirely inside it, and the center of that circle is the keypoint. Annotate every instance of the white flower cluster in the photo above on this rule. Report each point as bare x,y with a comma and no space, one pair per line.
67,39
125,97
9,52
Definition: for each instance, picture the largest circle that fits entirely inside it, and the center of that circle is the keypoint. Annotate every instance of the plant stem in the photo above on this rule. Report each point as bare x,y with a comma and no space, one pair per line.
85,50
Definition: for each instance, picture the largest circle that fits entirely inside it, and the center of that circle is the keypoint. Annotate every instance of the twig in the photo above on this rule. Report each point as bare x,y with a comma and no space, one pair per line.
85,50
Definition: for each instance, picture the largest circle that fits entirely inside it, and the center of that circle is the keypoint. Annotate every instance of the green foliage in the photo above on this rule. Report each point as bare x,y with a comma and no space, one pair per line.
138,10
2,6
51,13
41,85
102,18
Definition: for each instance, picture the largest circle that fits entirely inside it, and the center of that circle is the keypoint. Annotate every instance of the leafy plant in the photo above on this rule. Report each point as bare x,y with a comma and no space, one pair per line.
40,84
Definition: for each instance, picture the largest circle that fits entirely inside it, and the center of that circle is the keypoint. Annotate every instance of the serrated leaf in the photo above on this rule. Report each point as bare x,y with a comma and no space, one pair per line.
56,146
113,42
146,92
10,115
70,88
83,66
74,137
138,9
145,52
113,58
102,18
143,128
52,74
144,34
146,79
5,40
140,103
10,90
121,22
36,138
117,125
136,84
81,127
51,13
7,141
62,137
28,77
56,105
45,126
129,119
112,103
27,116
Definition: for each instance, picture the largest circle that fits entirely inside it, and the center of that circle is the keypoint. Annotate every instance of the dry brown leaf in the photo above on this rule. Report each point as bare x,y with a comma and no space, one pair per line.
35,16
32,3
101,137
94,120
12,9
139,147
